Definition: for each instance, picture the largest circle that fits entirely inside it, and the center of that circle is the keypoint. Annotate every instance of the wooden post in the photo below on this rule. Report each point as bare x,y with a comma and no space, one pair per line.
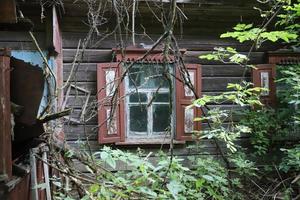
5,116
34,183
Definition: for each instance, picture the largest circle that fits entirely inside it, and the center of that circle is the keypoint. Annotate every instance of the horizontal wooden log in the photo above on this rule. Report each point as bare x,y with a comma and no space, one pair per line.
185,41
88,55
121,166
208,146
87,71
193,57
21,40
81,132
76,112
105,55
151,26
209,84
215,84
211,7
89,132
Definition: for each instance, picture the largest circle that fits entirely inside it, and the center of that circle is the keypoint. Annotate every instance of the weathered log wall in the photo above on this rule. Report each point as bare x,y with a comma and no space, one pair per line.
199,36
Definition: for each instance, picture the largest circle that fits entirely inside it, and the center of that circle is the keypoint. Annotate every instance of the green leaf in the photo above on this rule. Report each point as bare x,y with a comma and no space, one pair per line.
108,159
208,177
175,187
94,188
146,190
199,183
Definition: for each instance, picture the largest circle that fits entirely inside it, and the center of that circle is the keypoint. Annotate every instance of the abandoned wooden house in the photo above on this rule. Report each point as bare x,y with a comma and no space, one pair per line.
57,55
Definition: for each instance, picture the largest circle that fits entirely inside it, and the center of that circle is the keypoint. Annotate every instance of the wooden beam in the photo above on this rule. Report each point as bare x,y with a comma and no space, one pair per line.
8,11
5,116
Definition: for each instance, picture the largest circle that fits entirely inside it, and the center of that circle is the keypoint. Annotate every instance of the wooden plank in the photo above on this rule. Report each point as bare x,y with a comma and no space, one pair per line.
81,132
5,117
193,57
209,84
121,166
208,145
11,36
150,25
21,40
105,55
90,132
215,84
89,55
87,71
198,42
94,121
8,11
213,7
77,101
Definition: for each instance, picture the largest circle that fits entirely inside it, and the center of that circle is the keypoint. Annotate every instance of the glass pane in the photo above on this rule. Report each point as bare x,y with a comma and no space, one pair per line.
109,80
111,123
161,97
161,118
138,118
188,120
187,91
147,76
264,79
134,77
138,97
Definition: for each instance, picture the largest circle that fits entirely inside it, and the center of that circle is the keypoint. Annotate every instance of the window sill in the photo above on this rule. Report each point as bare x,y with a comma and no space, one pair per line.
158,141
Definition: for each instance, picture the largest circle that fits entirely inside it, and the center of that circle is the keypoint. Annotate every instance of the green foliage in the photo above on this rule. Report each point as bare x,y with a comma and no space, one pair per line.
165,180
289,80
288,92
226,55
263,124
244,167
212,179
240,94
291,160
246,32
207,178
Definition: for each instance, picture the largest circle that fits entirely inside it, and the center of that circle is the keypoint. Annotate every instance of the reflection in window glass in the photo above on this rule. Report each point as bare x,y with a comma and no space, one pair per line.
138,118
147,76
161,118
188,120
138,97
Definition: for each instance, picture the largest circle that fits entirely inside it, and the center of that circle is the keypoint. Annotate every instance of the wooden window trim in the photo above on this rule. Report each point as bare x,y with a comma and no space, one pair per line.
120,138
182,101
132,55
269,99
103,136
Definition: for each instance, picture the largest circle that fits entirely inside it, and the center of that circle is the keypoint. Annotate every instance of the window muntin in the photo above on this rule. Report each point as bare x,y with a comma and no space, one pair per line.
147,102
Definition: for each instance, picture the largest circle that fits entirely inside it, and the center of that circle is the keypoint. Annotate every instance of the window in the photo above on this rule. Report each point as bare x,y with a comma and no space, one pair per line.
141,108
148,102
264,76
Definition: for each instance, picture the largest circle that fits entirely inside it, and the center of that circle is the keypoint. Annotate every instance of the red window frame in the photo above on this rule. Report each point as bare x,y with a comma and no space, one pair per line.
181,100
269,99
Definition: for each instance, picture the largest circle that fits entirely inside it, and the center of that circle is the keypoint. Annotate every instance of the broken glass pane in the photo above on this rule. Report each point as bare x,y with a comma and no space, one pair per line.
187,91
138,118
161,118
